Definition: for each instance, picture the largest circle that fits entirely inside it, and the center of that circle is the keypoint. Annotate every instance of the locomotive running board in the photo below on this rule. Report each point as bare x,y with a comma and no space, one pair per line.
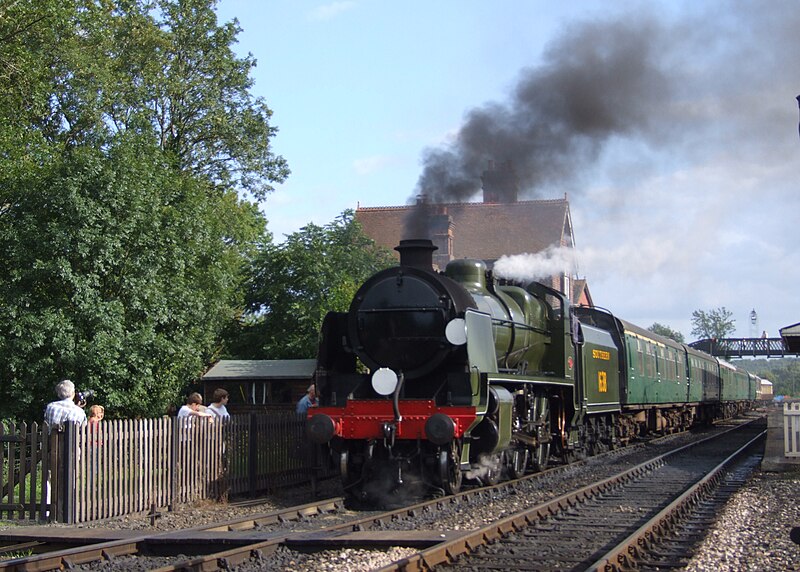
531,380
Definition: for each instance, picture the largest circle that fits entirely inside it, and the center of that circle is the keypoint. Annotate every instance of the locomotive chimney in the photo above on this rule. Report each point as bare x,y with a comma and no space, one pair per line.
417,253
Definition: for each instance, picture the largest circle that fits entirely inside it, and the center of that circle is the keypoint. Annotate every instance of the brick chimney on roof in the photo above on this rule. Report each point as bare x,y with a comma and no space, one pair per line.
500,183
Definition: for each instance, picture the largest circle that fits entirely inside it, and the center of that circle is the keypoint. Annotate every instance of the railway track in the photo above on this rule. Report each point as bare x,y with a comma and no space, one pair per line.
427,532
624,522
85,545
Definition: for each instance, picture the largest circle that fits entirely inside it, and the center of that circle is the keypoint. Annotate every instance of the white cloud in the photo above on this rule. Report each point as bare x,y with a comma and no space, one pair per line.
331,10
369,165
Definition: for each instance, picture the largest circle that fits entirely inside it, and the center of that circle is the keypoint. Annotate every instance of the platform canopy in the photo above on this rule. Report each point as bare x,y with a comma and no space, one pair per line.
791,337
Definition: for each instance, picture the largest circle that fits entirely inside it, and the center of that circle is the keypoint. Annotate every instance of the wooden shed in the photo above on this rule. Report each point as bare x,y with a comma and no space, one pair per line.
258,385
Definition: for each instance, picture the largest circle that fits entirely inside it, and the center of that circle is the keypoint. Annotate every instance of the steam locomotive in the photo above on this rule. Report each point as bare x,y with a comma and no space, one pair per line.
433,377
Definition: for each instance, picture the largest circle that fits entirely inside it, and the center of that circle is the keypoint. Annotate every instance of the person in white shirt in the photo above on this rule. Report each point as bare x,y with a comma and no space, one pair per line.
218,403
64,410
194,407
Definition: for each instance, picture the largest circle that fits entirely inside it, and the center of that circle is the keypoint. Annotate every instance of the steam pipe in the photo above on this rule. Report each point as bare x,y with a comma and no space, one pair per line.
396,398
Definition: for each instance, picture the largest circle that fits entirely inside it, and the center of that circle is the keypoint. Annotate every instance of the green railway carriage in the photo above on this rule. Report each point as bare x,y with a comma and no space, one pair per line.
735,382
704,377
757,387
656,372
664,384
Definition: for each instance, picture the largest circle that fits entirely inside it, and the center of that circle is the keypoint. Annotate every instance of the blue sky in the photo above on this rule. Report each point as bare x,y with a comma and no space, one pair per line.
692,206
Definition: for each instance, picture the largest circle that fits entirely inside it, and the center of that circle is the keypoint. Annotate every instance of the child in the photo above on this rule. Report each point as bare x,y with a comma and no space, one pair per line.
217,406
194,407
96,414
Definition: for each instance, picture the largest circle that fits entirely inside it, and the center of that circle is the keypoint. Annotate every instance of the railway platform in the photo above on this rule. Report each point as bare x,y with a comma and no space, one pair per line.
775,458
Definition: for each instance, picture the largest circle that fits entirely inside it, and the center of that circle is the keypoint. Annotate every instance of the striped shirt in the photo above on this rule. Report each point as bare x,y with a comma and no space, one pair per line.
59,412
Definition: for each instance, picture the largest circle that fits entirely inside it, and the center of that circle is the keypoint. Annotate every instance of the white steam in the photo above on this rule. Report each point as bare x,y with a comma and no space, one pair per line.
528,267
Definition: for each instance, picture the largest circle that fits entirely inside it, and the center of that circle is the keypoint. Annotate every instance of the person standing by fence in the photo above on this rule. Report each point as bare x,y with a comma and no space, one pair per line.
307,401
96,414
218,402
65,409
194,407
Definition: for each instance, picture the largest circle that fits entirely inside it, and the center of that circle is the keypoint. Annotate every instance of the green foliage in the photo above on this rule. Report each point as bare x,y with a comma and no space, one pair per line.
667,332
81,73
714,324
126,130
784,373
295,284
116,273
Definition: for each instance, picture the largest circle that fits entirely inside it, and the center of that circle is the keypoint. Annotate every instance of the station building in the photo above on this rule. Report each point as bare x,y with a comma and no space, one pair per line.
500,225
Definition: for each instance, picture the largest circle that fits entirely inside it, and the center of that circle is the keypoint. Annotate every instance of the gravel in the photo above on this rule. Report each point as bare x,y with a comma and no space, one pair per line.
752,532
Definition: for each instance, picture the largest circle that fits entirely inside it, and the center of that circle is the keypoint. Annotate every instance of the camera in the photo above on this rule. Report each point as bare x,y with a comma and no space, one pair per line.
82,396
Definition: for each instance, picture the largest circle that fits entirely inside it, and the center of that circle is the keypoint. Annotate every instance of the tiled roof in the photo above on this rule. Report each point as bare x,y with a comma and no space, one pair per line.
482,230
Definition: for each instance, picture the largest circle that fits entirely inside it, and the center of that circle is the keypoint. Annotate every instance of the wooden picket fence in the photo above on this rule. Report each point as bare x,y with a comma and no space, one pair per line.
129,466
269,451
791,429
133,465
25,459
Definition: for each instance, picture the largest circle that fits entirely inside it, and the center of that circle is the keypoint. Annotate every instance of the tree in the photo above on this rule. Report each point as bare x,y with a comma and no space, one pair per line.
784,373
667,332
124,138
714,324
295,284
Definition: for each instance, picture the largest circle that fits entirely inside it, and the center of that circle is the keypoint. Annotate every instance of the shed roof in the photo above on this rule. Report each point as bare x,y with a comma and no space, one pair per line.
231,370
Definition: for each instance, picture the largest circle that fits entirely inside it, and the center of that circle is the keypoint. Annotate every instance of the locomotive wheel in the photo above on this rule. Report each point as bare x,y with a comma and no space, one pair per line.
449,468
518,462
351,467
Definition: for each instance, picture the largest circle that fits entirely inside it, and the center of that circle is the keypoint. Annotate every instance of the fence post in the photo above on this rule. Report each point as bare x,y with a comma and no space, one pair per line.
67,466
252,451
173,462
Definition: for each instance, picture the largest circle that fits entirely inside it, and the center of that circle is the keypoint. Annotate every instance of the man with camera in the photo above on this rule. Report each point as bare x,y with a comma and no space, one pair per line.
58,412
65,409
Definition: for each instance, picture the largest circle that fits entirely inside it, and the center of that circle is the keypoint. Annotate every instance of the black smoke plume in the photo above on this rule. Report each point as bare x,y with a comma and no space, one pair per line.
597,81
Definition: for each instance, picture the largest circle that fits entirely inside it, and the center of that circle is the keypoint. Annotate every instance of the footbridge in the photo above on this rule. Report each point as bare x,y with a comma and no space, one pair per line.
788,345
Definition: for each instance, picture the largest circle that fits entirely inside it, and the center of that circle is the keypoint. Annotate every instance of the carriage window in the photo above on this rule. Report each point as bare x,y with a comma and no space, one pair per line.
640,355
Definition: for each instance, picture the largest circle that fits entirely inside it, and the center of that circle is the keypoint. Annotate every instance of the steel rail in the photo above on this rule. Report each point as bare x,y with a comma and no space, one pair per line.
626,553
449,550
232,557
130,546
